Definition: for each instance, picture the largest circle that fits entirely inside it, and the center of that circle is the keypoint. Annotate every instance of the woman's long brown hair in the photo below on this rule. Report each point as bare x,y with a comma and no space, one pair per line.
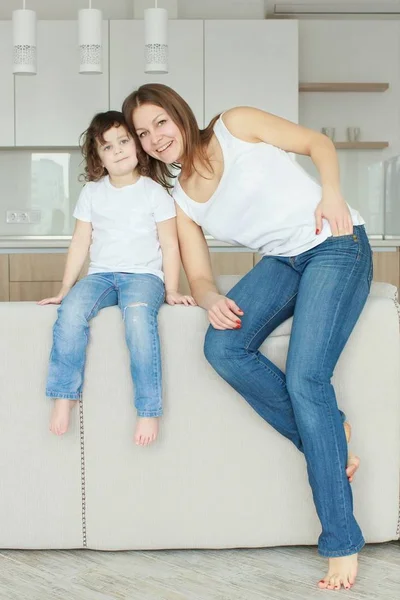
195,140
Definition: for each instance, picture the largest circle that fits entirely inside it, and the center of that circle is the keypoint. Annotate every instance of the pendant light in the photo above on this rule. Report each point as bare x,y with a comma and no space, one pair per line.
24,41
90,22
156,40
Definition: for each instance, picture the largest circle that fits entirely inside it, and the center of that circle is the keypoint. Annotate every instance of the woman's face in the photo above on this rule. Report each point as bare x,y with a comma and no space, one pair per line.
158,134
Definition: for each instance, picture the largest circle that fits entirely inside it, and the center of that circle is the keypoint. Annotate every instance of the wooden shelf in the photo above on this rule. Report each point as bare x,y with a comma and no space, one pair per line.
343,87
361,145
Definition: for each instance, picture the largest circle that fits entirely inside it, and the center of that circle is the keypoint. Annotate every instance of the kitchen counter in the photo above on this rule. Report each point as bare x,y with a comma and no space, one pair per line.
59,244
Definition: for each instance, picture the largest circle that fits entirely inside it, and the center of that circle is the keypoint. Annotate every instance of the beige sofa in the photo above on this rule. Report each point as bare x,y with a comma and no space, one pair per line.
217,477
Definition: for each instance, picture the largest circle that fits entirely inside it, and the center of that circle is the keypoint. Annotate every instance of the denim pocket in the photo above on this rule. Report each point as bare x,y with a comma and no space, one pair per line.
350,237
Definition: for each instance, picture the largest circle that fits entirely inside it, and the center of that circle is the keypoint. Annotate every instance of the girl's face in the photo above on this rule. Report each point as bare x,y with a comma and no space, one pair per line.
159,136
118,152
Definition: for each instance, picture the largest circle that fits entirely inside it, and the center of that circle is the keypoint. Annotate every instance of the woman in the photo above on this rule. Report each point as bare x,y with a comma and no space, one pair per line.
238,181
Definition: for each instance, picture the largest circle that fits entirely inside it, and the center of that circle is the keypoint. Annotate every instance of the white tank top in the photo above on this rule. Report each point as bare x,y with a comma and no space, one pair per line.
264,201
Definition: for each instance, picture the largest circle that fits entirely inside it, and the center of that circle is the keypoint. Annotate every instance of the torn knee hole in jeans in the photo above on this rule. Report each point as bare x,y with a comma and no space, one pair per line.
135,305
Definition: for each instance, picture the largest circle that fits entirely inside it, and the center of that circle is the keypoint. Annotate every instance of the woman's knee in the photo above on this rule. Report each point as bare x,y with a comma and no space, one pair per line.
220,349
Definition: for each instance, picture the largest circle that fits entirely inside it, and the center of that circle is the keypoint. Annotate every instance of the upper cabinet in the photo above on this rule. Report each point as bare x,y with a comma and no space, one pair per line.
251,63
185,40
55,106
7,86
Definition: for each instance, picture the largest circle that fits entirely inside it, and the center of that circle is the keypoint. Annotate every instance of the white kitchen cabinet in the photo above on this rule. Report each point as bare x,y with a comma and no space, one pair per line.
251,63
55,106
185,62
7,85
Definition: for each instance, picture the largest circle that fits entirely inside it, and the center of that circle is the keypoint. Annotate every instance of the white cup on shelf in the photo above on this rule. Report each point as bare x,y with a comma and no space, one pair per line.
329,132
353,134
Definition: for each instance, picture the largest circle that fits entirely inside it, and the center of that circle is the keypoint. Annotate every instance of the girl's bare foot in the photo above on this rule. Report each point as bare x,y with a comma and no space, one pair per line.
146,430
342,572
59,420
353,462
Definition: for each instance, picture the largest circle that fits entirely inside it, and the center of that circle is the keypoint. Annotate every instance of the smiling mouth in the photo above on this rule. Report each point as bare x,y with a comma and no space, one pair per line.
163,148
125,157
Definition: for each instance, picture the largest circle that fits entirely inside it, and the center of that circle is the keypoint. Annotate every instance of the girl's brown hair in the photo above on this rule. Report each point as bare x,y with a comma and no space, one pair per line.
195,140
100,124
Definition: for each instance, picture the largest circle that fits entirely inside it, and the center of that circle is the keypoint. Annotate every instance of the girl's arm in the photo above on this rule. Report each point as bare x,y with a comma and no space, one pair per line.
223,312
168,238
254,125
77,253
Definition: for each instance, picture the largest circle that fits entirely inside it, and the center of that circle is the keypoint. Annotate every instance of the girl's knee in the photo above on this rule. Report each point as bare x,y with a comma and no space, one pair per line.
71,313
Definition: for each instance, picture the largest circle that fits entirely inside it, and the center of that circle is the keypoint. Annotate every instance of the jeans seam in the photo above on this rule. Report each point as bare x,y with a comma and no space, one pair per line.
154,309
98,301
334,320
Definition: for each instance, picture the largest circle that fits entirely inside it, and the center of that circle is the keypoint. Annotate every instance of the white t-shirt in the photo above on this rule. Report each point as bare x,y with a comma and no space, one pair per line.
265,200
124,237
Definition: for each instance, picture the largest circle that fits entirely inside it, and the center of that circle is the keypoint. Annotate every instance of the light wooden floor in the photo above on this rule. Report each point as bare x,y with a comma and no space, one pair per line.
272,573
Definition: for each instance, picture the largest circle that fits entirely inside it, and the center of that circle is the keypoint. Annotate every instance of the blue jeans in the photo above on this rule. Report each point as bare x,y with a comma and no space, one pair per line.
139,296
325,290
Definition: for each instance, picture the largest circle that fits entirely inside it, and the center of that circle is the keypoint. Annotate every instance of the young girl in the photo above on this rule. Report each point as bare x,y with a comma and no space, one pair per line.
238,181
129,223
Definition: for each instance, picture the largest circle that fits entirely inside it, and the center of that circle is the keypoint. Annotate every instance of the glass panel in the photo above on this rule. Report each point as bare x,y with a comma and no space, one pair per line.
43,181
362,178
392,197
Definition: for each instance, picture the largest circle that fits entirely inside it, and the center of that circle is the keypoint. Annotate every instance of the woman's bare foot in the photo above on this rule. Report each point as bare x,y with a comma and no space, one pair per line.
353,462
59,420
342,572
146,430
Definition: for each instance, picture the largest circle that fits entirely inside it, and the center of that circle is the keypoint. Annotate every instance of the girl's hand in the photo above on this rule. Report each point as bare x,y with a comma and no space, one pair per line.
177,298
56,299
225,314
334,209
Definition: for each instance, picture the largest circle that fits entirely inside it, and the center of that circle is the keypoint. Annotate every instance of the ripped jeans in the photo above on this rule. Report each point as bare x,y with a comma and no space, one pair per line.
139,296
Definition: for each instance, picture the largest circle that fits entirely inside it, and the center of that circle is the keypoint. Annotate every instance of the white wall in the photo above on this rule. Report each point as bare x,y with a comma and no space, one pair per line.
355,51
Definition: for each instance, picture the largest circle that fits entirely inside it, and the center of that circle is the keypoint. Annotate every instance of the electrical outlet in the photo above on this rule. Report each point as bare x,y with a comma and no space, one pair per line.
23,216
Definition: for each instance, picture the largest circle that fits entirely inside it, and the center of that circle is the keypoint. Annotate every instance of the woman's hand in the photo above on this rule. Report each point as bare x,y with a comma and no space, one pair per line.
55,299
334,209
224,313
177,298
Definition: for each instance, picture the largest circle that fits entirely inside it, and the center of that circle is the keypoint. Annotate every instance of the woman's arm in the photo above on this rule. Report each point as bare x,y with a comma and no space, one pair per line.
223,313
254,125
168,238
77,253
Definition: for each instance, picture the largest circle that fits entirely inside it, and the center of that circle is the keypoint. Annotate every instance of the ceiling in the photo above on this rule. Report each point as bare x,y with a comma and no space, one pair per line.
207,9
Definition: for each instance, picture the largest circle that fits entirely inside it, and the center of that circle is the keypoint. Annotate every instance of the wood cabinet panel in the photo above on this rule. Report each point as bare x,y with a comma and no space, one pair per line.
40,267
4,278
37,267
28,291
387,267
